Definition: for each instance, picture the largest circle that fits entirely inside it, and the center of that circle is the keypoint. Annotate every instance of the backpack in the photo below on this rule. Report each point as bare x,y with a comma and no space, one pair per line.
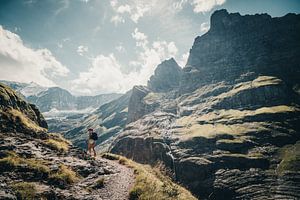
94,136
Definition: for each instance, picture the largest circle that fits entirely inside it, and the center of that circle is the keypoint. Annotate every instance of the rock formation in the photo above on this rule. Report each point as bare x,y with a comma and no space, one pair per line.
17,115
230,130
166,76
35,164
237,45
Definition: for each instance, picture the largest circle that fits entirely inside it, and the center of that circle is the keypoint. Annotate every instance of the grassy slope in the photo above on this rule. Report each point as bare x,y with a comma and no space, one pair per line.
151,183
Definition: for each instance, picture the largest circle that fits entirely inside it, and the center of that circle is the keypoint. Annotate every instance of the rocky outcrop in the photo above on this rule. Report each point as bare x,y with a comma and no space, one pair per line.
166,76
232,129
237,44
18,115
137,107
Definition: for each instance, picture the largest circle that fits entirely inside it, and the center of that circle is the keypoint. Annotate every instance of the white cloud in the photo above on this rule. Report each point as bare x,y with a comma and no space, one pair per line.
204,27
183,59
24,64
141,38
82,49
139,12
120,48
134,9
206,5
117,19
199,5
178,5
124,9
106,75
65,4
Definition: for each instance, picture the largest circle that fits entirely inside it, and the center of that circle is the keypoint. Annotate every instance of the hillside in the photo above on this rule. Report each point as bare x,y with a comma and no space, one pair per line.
35,164
228,128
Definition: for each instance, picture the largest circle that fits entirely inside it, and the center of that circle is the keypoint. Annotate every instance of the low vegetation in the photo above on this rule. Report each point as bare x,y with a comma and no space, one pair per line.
231,122
25,190
290,159
57,142
260,81
17,118
99,183
150,183
13,161
64,176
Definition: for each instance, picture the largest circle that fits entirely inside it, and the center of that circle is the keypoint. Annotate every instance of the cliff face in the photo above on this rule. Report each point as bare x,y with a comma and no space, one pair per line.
237,45
231,128
18,115
166,76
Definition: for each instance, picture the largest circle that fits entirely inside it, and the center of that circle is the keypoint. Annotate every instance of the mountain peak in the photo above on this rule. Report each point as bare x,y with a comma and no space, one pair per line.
222,20
166,76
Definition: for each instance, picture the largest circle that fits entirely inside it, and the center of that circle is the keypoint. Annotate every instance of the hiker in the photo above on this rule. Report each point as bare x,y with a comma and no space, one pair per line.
92,141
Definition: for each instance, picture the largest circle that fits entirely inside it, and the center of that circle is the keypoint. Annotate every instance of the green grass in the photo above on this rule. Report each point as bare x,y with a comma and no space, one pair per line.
25,190
150,183
290,159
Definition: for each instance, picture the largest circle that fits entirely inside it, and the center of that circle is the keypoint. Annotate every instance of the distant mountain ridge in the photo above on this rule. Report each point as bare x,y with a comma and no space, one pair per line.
57,98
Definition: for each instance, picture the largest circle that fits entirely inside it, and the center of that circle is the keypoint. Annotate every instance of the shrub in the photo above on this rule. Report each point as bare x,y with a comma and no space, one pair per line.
64,176
25,190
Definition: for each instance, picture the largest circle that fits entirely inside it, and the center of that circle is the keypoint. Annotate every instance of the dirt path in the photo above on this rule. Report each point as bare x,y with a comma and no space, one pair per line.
118,180
118,184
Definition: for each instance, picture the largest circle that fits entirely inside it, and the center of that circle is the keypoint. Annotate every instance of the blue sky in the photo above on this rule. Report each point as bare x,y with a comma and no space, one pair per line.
100,46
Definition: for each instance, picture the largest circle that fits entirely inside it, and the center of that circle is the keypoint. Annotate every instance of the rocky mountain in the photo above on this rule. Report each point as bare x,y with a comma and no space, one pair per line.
166,76
57,98
18,115
25,89
35,164
235,45
228,125
61,99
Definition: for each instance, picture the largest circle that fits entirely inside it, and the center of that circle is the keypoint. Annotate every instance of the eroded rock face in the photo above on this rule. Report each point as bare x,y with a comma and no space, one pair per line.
237,44
166,76
18,115
233,127
137,107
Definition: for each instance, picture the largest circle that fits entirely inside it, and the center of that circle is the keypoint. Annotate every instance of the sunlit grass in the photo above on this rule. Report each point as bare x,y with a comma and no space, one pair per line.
290,159
25,190
13,161
64,176
150,183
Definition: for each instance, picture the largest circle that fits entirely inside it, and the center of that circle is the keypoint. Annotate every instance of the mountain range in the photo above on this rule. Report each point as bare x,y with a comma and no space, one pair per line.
227,124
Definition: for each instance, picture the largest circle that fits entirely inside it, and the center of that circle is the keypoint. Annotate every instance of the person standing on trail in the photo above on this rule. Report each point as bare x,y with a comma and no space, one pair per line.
92,141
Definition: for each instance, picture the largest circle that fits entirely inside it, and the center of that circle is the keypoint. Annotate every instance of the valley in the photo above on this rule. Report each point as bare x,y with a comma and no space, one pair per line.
225,126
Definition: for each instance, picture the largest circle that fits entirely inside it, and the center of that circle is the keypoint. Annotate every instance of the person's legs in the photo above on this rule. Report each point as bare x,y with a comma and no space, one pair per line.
89,148
94,150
